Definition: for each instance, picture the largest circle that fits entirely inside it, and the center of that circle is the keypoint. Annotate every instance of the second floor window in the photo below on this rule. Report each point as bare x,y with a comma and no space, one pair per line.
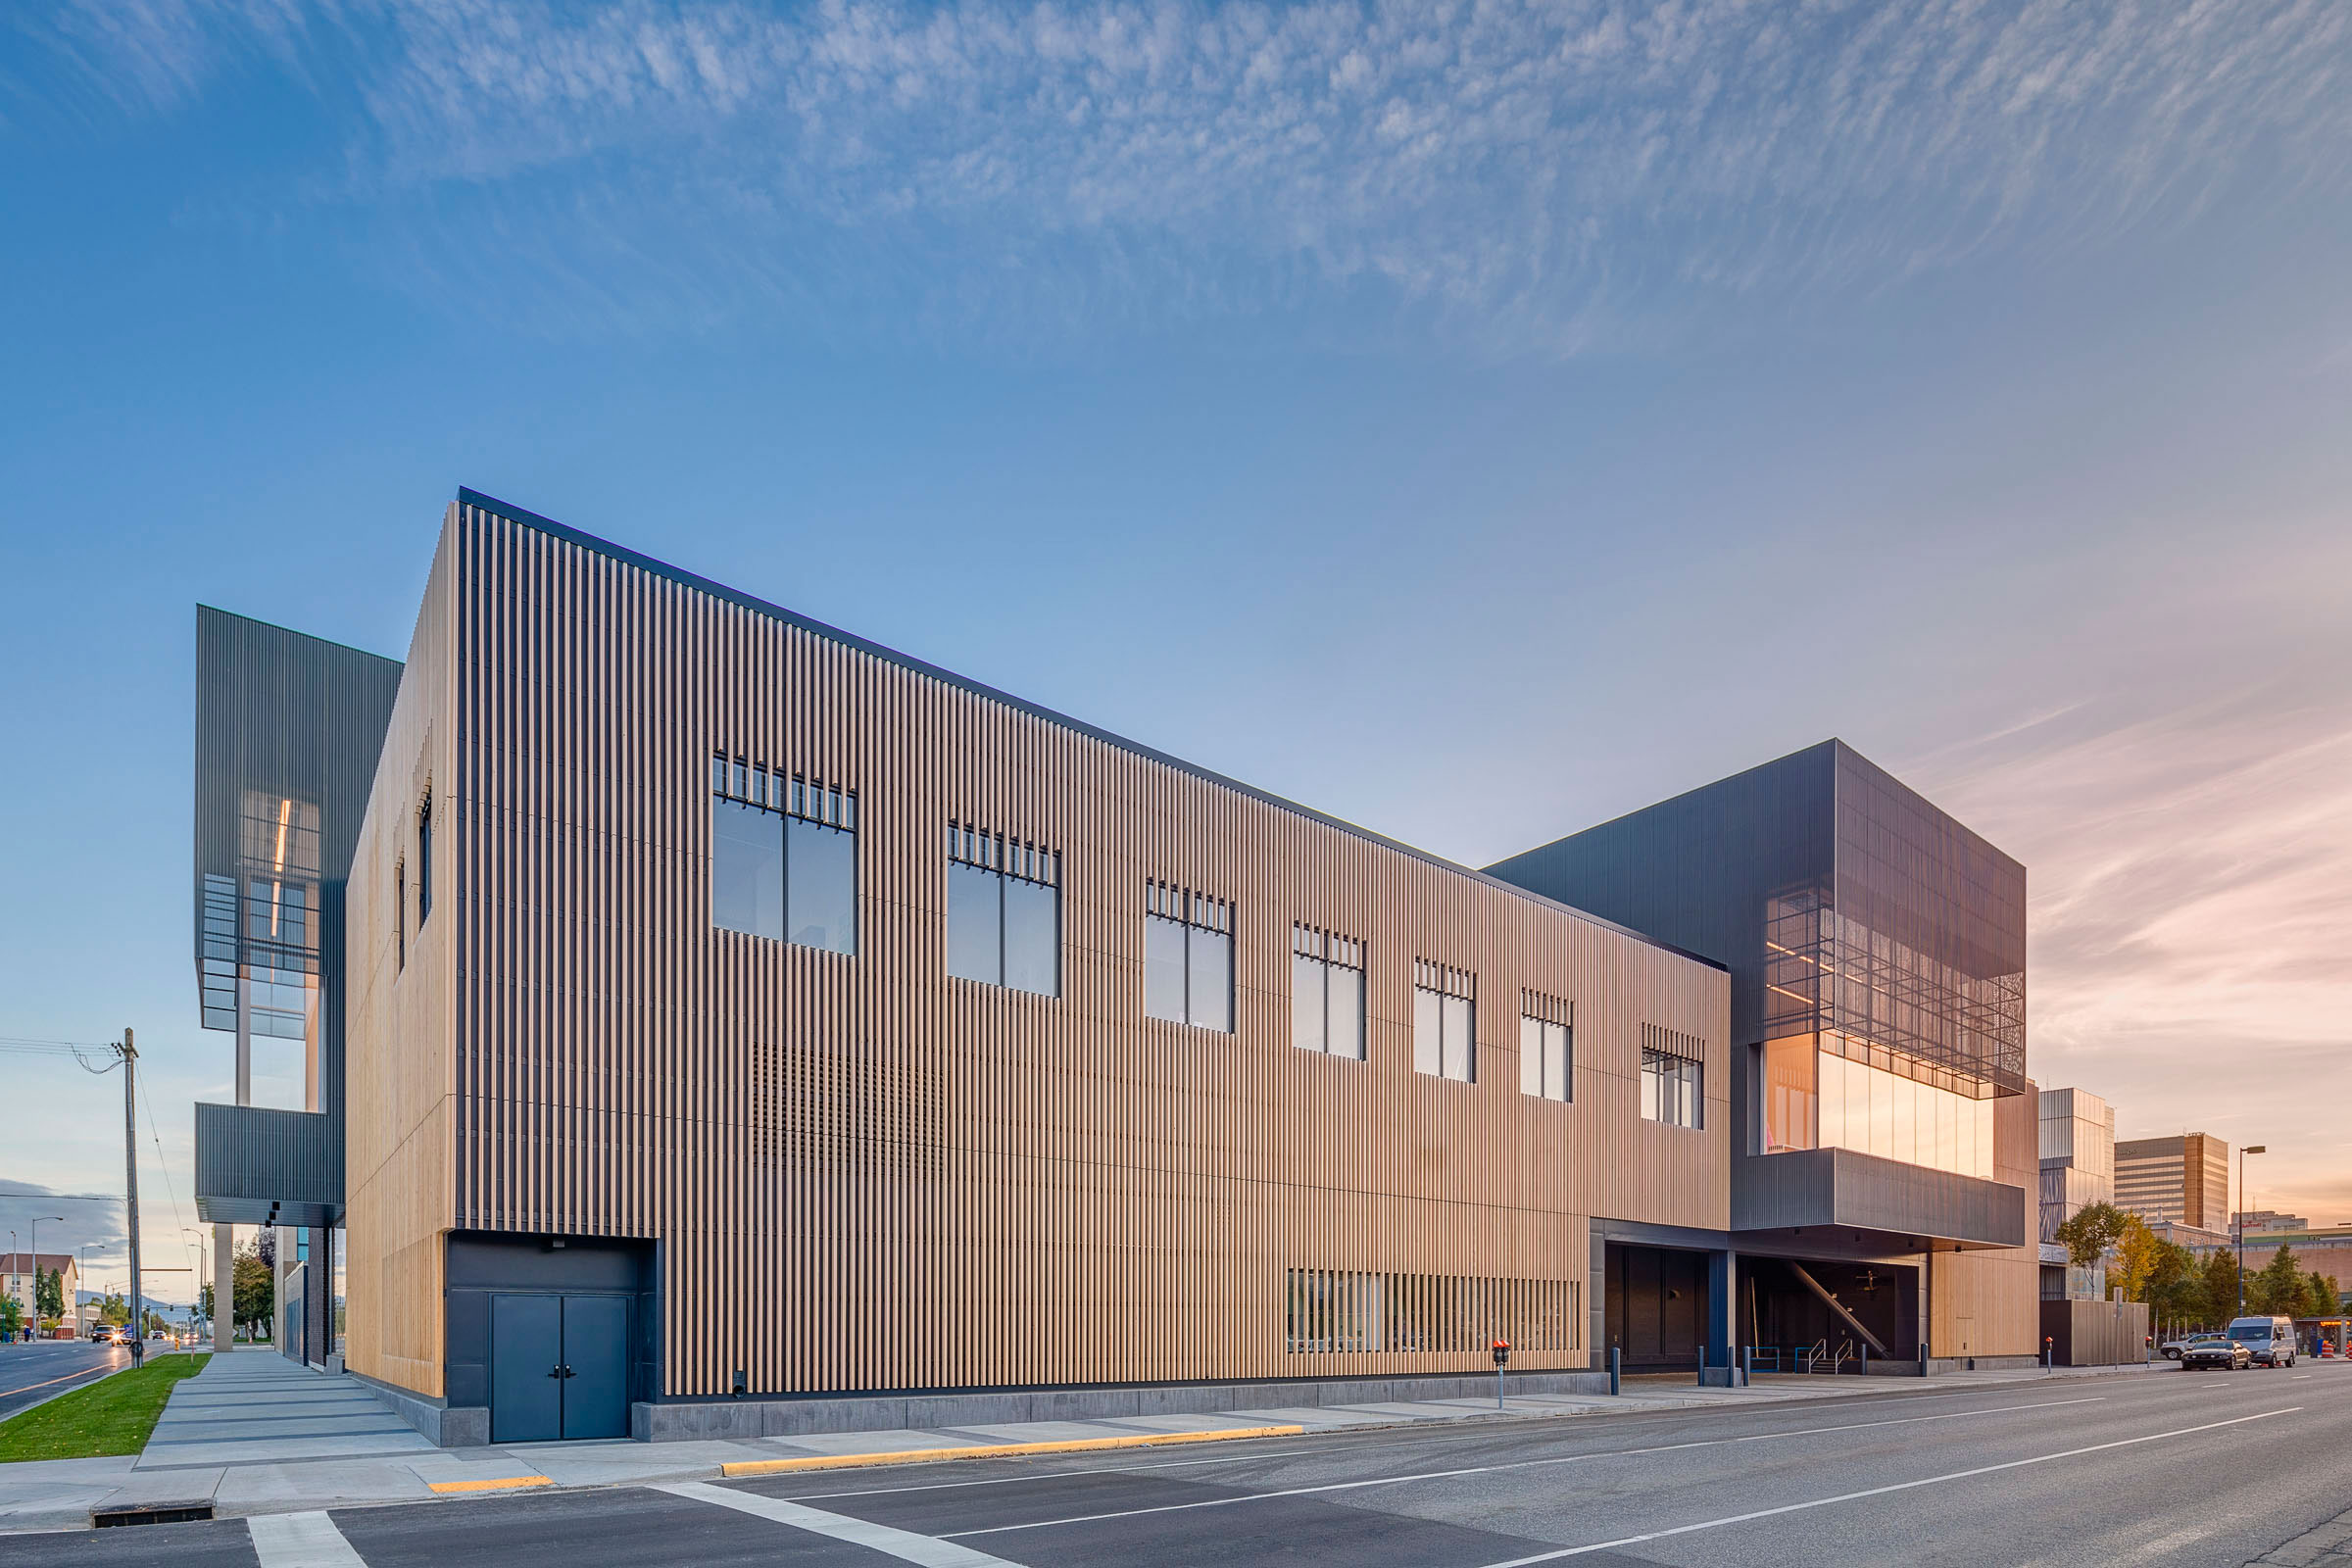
1445,1021
783,856
1673,1078
1327,993
1546,1045
1003,911
1187,958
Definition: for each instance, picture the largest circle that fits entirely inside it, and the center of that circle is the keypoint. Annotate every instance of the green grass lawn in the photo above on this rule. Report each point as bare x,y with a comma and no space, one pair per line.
113,1415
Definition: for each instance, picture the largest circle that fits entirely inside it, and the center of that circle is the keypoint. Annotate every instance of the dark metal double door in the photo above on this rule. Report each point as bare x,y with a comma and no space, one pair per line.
558,1367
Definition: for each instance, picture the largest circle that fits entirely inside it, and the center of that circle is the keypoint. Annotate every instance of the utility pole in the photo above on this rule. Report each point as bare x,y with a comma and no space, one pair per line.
130,1189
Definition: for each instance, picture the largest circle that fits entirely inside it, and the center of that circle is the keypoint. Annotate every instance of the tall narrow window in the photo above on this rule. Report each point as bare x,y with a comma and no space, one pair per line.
1187,958
1673,1078
400,914
1445,1021
1003,911
1546,1045
1327,993
424,857
783,856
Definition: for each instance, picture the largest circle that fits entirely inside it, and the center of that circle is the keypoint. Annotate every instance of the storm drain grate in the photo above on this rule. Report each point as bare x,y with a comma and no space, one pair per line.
151,1513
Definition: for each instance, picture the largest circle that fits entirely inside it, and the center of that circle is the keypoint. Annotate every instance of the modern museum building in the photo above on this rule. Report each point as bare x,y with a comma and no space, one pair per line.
661,1014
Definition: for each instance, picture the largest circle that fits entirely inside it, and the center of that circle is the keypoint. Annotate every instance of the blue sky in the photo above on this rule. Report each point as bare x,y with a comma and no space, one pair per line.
1474,420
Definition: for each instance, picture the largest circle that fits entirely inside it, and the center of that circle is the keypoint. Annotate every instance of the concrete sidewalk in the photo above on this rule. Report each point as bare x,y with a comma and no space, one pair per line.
254,1433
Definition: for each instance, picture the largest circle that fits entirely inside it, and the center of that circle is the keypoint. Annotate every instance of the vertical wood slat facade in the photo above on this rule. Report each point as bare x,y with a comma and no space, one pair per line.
863,1174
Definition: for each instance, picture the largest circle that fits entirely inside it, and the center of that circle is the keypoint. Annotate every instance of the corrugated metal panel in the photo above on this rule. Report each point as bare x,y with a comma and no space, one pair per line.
260,1166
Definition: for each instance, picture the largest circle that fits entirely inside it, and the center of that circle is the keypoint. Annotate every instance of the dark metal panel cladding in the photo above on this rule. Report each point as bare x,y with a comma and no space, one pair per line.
293,715
1837,1187
1695,871
251,1161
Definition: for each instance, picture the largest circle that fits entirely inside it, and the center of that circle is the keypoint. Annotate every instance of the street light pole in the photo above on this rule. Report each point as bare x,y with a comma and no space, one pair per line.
36,1272
2240,1218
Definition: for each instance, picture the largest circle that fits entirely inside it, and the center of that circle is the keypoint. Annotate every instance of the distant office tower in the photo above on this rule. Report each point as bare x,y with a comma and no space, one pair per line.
2183,1179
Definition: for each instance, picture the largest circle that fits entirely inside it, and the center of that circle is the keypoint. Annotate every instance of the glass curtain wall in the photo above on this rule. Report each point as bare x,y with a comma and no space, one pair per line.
277,979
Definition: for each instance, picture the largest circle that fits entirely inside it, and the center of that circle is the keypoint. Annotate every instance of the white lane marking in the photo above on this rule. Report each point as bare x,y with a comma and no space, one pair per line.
1495,1469
2298,1377
1880,1492
905,1544
301,1541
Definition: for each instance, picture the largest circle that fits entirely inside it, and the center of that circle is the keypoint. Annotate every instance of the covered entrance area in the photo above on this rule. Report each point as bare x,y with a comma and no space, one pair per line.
1799,1314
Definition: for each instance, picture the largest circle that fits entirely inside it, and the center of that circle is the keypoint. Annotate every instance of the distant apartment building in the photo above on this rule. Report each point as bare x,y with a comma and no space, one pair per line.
2078,1169
16,1281
2182,1180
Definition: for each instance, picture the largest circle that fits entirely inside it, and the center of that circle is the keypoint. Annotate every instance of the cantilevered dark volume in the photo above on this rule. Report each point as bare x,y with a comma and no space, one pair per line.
288,728
1877,949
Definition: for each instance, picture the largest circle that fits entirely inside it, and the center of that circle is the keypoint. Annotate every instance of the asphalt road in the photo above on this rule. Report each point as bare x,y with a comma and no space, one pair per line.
31,1373
2169,1468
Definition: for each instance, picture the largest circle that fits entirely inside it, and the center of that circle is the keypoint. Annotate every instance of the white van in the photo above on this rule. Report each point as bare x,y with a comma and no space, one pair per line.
2270,1340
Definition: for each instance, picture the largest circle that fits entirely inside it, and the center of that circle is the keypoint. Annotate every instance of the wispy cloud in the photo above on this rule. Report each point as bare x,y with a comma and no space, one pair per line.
2188,915
1519,170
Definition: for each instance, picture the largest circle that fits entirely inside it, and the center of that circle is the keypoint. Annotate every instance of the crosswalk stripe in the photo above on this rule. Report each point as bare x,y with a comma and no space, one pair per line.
301,1541
904,1544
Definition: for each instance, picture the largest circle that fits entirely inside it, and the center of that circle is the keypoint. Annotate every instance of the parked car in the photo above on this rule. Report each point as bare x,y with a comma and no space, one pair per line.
2214,1349
2269,1341
2171,1348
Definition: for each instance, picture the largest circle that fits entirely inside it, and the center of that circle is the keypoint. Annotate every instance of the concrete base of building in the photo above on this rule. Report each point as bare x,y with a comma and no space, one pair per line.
443,1424
779,1418
1983,1363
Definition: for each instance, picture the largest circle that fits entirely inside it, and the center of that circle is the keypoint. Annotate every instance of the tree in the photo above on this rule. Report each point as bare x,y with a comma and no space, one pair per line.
2090,1232
2322,1298
2137,1252
12,1317
114,1310
2218,1296
252,1287
2279,1288
2175,1289
48,1291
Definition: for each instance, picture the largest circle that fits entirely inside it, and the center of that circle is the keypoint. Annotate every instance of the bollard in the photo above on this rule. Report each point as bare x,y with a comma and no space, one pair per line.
1616,1376
2046,1345
1747,1365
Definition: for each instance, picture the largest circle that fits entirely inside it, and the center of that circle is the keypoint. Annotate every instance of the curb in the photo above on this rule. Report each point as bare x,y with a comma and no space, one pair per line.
503,1484
995,1450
